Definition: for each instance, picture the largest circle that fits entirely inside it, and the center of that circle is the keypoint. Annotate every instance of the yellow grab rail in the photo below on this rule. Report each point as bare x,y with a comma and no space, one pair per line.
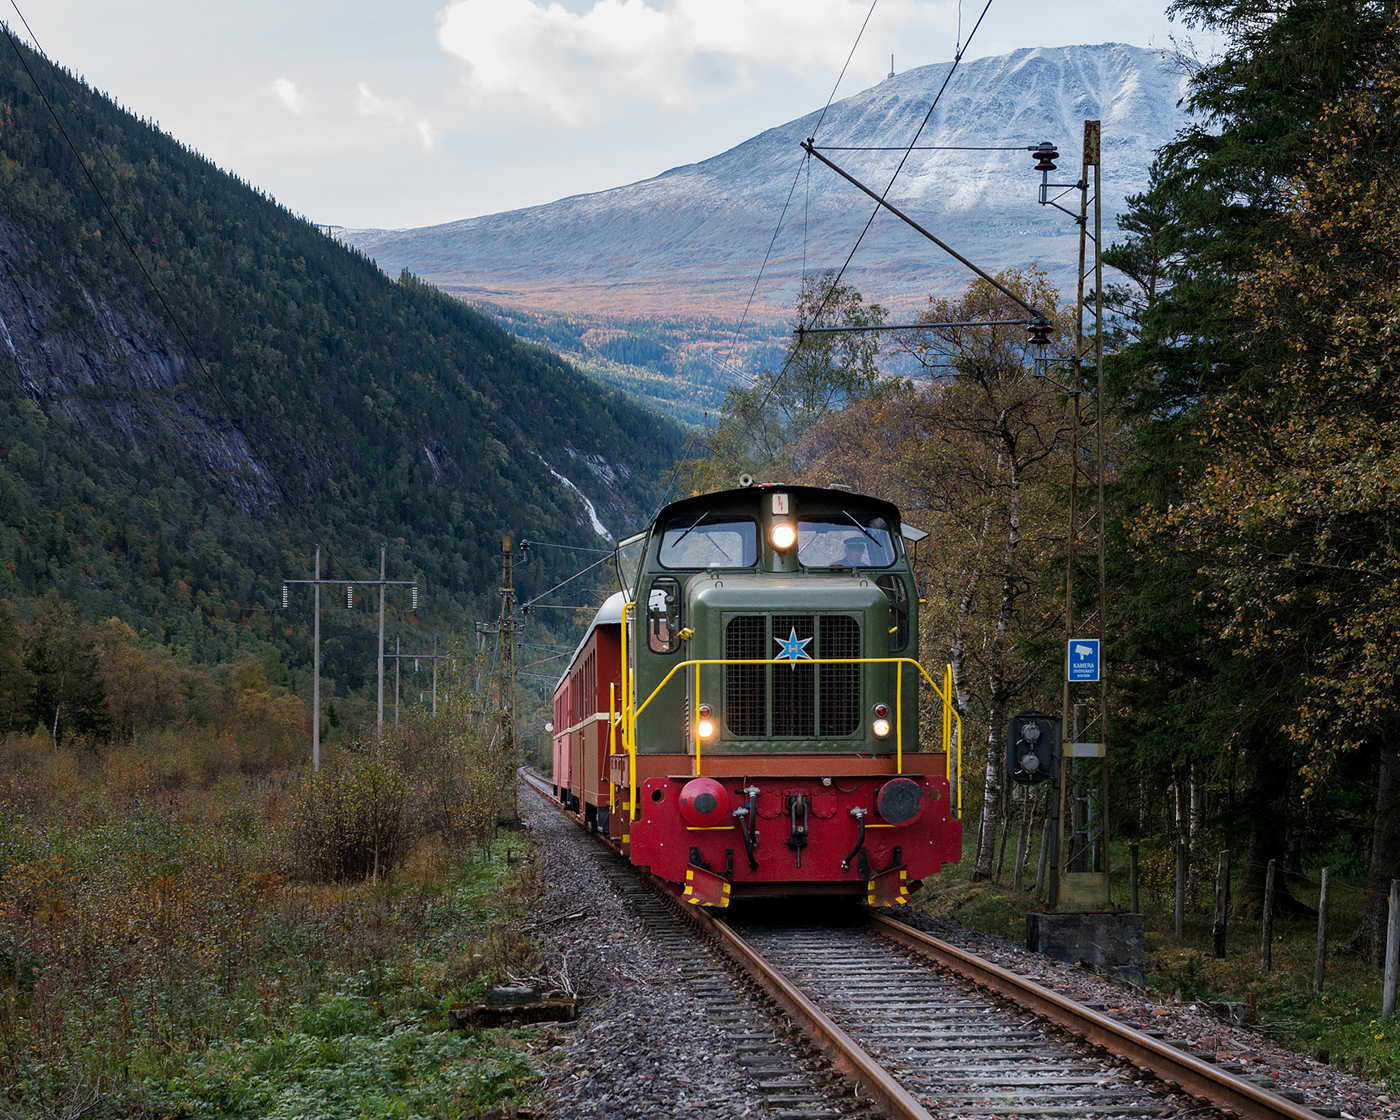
952,722
629,738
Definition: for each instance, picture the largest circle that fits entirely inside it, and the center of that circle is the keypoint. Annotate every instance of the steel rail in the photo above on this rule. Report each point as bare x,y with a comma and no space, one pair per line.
847,1054
1192,1075
844,1051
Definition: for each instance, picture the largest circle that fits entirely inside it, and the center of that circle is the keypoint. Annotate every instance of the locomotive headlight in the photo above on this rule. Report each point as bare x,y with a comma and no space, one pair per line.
706,725
881,723
784,536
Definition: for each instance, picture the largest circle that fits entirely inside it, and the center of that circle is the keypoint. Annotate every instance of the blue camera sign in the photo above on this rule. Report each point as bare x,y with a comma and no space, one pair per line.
1082,660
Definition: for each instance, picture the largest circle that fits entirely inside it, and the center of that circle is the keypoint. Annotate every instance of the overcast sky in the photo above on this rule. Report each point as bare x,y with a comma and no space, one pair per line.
411,112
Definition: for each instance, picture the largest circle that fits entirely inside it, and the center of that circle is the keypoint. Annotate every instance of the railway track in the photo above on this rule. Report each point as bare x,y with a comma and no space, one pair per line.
924,1027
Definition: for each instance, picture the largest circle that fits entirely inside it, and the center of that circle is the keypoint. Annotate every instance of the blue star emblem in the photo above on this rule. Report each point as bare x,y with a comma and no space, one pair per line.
792,647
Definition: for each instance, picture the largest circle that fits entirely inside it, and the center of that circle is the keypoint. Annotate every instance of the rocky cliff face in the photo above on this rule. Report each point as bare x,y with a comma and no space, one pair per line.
118,375
692,239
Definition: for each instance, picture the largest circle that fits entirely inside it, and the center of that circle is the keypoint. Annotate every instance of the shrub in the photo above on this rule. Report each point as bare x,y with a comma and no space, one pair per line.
348,822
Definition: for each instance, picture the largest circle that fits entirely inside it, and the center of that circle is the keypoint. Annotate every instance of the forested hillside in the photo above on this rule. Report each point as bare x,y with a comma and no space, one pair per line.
200,386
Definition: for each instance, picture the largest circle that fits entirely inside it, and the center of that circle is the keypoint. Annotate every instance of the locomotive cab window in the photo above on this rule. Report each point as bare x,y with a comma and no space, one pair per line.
628,559
843,541
663,615
898,595
709,541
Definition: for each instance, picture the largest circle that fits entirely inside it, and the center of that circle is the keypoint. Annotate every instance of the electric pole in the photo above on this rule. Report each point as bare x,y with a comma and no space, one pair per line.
316,659
507,648
434,657
1075,882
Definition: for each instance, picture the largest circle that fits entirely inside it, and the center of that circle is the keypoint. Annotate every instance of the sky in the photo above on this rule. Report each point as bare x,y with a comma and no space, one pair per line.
366,113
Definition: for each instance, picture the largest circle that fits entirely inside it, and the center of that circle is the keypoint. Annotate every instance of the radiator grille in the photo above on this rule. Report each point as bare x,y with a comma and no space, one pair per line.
745,694
840,684
793,685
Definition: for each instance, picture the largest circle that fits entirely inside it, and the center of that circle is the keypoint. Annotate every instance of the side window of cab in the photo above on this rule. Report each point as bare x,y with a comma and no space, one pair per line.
898,595
663,615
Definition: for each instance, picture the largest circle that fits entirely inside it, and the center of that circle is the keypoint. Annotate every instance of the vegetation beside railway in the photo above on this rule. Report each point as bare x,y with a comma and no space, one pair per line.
201,942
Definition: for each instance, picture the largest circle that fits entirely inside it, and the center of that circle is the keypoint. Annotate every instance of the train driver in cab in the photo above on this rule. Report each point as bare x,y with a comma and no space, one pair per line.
855,552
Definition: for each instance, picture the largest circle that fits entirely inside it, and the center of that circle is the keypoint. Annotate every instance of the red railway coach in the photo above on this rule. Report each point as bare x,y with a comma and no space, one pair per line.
745,718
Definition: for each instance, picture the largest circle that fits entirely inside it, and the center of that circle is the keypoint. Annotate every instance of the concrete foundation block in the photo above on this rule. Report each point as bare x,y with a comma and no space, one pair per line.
1110,943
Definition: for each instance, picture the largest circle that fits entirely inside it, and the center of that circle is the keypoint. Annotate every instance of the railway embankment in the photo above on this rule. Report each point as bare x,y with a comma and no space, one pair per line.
666,1030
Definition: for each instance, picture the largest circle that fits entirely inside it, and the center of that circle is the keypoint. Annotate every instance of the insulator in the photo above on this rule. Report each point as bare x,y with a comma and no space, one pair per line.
415,598
1045,156
415,664
284,595
349,596
1038,333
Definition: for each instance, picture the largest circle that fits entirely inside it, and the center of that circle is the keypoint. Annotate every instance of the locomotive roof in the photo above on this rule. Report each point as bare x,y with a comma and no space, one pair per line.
725,497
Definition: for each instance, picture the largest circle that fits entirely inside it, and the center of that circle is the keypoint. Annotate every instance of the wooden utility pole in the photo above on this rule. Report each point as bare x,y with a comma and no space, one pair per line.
507,631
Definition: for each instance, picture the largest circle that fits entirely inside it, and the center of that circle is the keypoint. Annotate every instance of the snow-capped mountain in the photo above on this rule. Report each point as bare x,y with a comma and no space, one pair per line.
692,239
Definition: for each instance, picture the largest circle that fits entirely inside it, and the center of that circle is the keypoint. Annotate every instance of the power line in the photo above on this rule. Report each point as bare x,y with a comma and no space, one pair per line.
773,241
924,148
573,577
831,291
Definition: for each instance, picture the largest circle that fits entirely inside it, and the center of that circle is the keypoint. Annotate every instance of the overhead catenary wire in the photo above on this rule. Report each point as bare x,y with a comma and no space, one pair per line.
925,148
532,603
831,290
805,161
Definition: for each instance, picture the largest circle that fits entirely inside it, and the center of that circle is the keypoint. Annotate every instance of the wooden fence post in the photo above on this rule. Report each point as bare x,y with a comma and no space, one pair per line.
1180,889
1133,878
1266,950
1022,839
1044,858
1319,965
1392,952
1222,896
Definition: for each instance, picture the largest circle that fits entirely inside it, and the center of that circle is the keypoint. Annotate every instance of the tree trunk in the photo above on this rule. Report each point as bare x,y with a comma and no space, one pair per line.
1385,844
991,793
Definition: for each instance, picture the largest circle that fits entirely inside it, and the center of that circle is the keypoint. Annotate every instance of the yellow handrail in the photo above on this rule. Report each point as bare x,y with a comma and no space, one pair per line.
612,742
629,736
951,720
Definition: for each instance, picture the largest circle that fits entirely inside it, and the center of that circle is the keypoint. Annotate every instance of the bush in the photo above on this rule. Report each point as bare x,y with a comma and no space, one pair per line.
348,822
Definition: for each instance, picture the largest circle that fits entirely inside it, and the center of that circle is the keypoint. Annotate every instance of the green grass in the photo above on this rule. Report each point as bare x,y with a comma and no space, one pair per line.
1342,1020
160,965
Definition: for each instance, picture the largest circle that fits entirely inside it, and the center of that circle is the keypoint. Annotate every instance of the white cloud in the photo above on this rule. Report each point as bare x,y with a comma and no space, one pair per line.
291,97
400,114
681,53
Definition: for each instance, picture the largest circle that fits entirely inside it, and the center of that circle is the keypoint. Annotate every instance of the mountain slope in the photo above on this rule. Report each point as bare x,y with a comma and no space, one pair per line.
328,402
691,240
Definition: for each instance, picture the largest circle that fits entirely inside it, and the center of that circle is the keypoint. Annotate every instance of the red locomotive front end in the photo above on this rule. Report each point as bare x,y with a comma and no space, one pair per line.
762,734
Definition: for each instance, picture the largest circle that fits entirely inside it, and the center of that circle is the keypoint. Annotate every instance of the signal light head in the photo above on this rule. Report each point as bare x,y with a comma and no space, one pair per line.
784,536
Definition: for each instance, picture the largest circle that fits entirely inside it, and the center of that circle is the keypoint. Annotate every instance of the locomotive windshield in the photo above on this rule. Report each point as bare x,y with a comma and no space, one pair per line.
842,541
709,541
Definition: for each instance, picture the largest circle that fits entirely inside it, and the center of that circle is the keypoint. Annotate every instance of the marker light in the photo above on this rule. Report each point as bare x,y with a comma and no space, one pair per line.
706,726
784,536
881,727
